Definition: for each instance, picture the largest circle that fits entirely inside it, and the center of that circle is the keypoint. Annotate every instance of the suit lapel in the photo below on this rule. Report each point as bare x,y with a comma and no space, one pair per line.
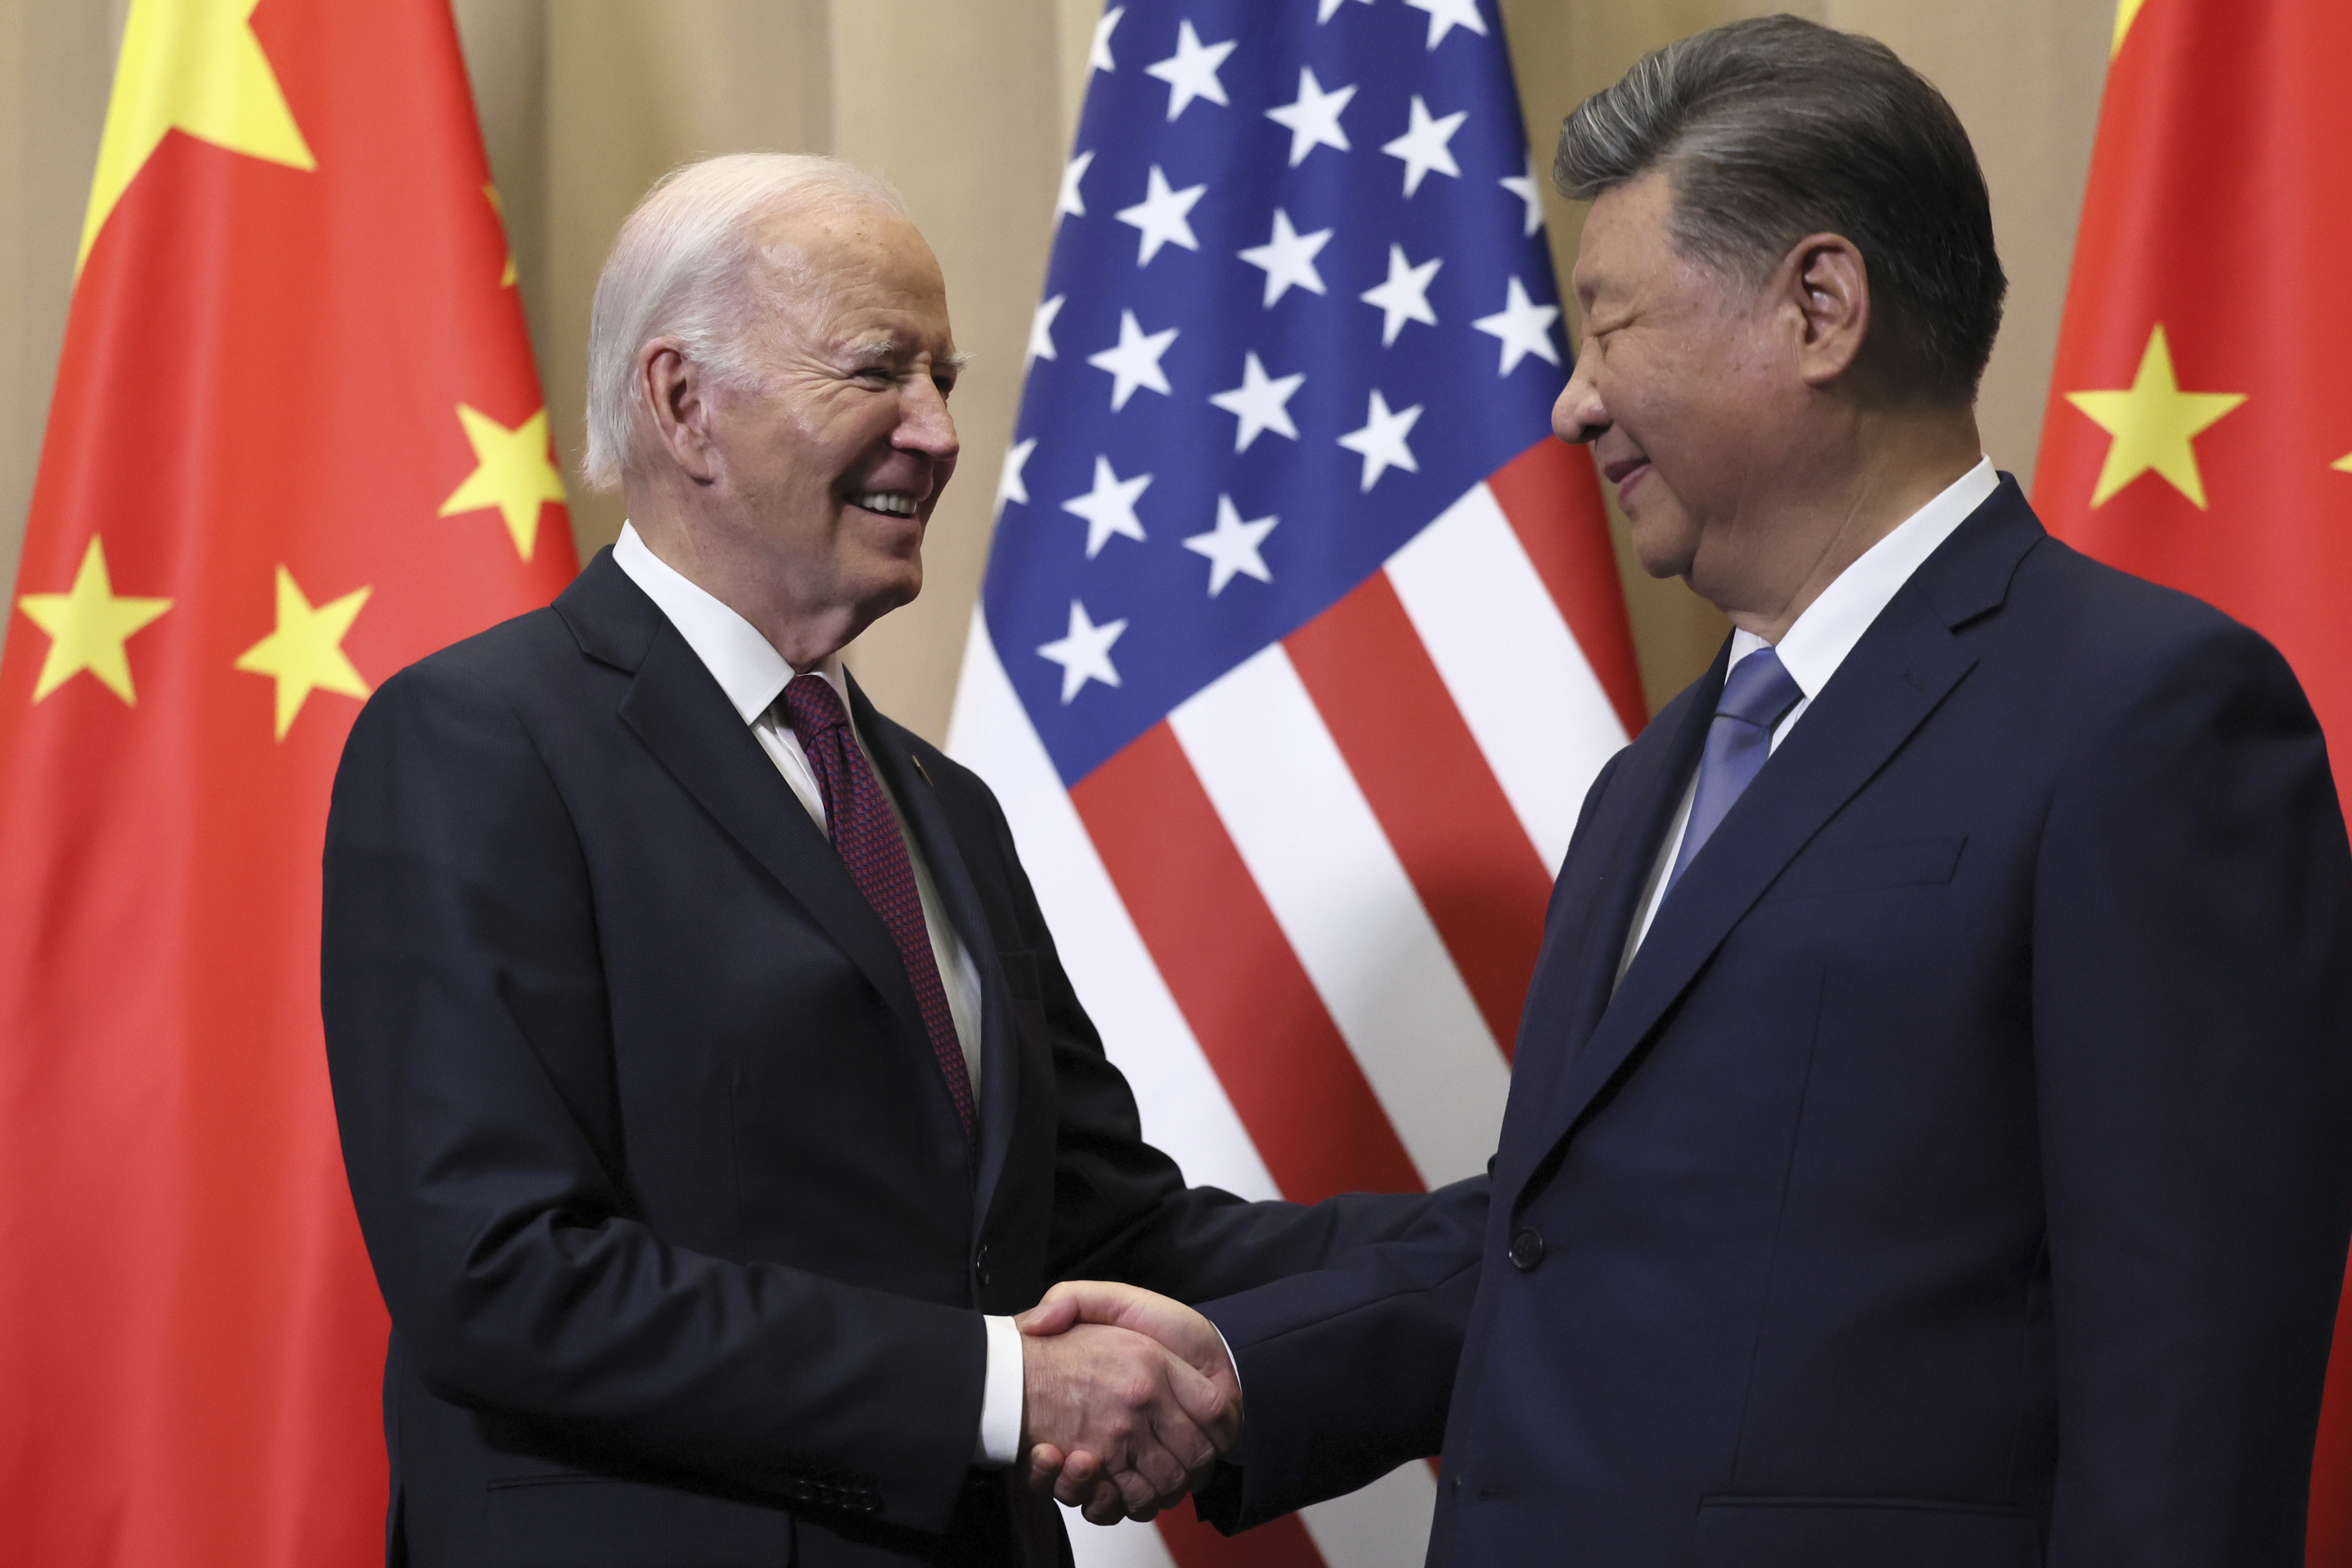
1600,892
677,710
903,775
1899,672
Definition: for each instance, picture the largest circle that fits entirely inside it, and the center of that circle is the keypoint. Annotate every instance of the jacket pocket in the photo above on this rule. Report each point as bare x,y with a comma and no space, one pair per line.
1866,868
578,1520
1862,1533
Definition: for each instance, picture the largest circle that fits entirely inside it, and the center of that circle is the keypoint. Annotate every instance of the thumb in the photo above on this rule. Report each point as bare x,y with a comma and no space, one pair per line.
1057,1313
1080,1302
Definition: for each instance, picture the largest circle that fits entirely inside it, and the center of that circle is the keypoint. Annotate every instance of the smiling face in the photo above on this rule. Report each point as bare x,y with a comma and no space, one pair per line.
1685,389
828,465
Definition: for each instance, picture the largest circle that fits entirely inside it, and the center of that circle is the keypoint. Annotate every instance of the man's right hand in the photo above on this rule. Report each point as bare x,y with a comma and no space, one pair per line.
1152,1422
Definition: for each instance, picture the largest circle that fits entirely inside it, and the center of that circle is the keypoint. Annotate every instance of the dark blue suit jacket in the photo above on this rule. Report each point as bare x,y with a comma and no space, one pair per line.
681,1237
1959,1176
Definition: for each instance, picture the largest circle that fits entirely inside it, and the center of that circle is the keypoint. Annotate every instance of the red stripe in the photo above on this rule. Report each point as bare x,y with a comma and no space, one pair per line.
1481,880
1277,1543
1288,1073
1552,497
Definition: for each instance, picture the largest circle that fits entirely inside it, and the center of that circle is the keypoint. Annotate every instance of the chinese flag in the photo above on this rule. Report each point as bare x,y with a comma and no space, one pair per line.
2200,427
296,443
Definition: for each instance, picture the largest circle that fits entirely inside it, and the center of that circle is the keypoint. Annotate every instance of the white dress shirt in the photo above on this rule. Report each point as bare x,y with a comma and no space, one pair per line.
753,675
1818,641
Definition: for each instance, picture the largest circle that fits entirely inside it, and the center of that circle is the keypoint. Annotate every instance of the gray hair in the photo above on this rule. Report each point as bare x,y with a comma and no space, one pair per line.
689,264
1775,128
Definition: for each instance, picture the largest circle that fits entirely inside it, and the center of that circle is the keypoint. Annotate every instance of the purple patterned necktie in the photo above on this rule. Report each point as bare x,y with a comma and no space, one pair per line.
858,817
1757,695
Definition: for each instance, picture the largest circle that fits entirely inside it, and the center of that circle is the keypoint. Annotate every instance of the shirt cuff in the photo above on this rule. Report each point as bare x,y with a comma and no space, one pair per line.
1001,1397
1231,1361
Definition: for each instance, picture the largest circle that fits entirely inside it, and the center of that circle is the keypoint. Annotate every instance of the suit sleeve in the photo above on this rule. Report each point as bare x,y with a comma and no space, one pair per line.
467,1042
2192,1001
1348,1371
1347,1368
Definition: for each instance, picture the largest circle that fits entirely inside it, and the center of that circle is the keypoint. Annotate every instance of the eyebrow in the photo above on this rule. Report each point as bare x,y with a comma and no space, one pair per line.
880,349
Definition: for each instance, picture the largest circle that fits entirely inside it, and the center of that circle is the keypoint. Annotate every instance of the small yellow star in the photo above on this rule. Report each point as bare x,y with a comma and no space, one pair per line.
306,653
512,473
2343,464
192,66
87,625
2126,13
505,278
2153,425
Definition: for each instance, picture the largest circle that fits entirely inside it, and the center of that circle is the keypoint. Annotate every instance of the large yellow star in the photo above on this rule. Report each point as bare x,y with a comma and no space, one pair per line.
306,653
192,66
2153,425
2343,464
87,625
511,472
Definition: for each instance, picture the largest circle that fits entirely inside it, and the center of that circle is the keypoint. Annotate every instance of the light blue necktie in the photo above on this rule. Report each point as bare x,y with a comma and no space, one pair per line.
1757,695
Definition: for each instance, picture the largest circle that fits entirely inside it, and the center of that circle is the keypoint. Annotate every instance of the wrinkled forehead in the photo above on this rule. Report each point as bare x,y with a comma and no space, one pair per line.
857,271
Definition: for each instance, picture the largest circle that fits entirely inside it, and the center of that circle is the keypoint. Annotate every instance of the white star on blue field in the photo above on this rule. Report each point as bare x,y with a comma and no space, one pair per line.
1299,302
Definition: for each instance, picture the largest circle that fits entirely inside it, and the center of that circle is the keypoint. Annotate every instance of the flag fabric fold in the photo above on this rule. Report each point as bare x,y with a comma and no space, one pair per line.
297,442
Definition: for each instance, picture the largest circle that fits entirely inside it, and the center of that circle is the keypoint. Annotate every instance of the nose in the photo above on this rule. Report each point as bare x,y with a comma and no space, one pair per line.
924,424
1579,415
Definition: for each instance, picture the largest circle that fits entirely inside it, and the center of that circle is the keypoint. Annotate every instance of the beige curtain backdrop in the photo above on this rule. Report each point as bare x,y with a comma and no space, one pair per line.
967,106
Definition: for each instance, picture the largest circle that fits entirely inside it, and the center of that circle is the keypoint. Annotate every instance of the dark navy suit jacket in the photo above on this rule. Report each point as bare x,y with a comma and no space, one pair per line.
1959,1176
681,1237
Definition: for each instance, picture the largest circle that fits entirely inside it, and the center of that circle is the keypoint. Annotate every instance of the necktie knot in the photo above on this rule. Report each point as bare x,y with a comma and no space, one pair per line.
812,707
1759,691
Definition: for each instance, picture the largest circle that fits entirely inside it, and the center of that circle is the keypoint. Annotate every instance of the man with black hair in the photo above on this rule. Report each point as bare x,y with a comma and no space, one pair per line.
1930,1141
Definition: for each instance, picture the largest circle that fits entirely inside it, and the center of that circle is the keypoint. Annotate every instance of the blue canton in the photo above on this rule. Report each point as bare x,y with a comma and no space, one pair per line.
1300,302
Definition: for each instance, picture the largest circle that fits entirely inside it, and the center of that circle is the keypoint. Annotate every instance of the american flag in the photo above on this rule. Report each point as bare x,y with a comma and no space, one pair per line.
1301,638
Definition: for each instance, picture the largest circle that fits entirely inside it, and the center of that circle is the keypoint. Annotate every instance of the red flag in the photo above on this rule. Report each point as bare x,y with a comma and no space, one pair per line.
296,443
2200,427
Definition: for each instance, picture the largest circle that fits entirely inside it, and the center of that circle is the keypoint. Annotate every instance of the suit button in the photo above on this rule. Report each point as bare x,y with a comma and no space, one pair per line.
1527,1251
980,1265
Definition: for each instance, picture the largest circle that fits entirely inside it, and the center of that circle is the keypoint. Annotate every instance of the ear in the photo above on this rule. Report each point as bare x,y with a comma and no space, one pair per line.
1827,287
677,397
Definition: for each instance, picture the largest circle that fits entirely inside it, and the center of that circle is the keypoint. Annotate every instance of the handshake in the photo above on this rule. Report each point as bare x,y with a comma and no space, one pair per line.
1130,1399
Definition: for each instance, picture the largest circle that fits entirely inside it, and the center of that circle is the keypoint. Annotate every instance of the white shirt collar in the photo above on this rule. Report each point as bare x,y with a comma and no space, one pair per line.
746,664
1818,641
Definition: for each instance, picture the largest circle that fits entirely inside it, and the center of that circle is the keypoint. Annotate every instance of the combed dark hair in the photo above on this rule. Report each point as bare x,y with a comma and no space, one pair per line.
1773,129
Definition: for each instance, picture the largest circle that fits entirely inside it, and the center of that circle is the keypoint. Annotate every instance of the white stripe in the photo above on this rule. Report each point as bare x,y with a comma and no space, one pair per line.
1511,662
1126,1544
1342,898
1385,1525
1185,1111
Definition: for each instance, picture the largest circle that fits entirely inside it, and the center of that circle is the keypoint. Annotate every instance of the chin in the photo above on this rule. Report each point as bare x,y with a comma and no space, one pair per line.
892,586
1663,550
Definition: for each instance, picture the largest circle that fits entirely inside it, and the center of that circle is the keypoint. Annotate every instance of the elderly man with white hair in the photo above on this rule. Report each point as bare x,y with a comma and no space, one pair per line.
710,1091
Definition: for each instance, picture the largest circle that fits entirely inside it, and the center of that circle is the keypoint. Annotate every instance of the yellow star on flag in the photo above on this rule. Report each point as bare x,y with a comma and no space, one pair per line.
2153,425
192,66
2126,13
87,625
306,653
512,473
2343,464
